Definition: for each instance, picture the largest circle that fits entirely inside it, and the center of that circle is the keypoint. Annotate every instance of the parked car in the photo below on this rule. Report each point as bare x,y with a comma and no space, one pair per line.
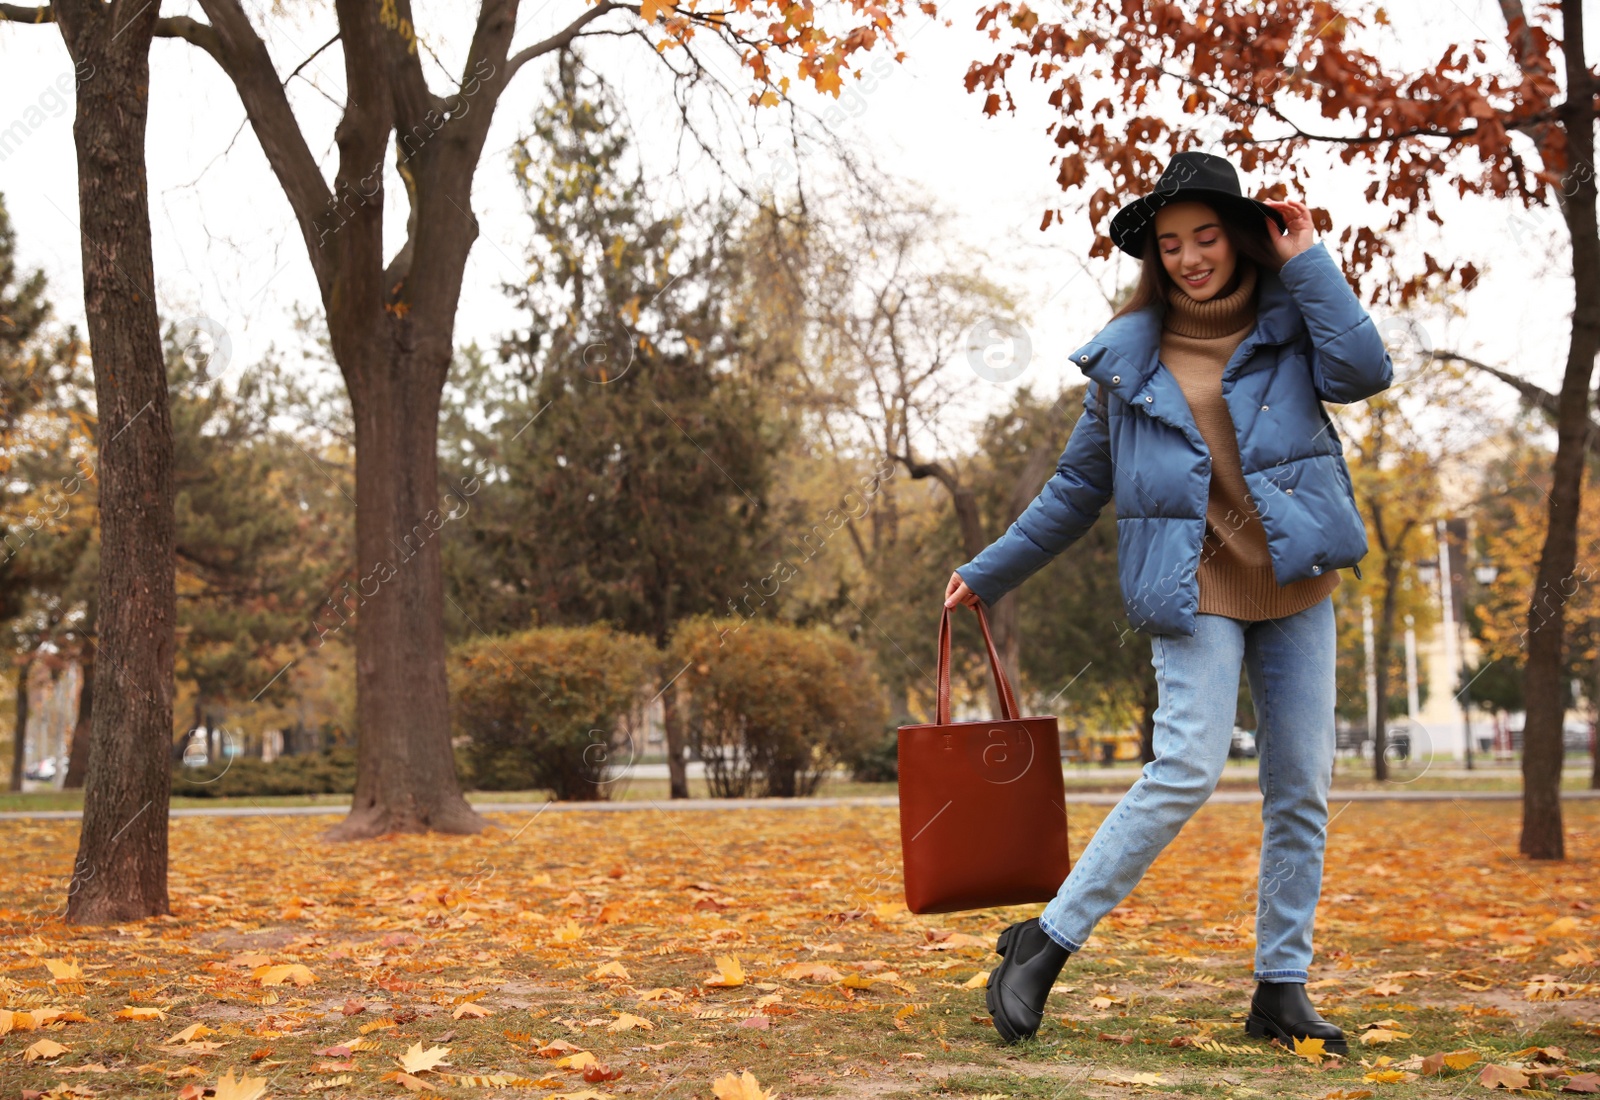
1244,743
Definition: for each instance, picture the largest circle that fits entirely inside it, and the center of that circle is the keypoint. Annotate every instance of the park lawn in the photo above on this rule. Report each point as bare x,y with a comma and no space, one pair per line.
1240,775
607,933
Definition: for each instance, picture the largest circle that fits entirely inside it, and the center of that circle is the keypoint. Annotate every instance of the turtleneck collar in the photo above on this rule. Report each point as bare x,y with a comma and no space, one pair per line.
1213,317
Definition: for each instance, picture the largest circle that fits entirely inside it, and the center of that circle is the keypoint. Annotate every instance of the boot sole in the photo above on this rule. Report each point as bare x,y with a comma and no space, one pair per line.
1257,1028
991,998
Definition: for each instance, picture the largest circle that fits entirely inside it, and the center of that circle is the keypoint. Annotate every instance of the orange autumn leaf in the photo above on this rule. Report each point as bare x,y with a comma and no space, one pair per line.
741,1087
45,1049
244,1088
1435,1064
1502,1077
141,1012
729,972
63,971
811,972
296,973
406,1080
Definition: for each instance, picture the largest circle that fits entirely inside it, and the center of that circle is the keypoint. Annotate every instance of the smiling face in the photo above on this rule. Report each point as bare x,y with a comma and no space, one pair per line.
1194,249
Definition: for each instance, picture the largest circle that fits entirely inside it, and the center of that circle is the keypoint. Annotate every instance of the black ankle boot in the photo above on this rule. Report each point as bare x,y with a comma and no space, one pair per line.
1020,984
1282,1011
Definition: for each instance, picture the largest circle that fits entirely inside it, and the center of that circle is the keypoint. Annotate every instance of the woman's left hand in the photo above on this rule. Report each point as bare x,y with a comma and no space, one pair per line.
1297,217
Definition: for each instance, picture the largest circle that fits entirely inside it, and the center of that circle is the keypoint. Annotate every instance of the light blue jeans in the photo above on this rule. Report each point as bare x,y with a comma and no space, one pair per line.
1290,666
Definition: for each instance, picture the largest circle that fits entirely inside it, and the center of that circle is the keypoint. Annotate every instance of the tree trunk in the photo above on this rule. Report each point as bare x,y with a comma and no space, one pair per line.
1542,836
405,773
672,722
121,870
82,734
19,740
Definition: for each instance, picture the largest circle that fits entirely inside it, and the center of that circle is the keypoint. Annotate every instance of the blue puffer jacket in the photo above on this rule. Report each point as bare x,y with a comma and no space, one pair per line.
1312,342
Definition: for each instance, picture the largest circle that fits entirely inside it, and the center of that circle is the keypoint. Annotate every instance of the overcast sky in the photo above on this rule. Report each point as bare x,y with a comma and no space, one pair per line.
226,246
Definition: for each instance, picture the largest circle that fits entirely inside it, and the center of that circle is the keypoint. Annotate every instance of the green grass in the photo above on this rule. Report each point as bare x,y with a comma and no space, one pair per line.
1239,776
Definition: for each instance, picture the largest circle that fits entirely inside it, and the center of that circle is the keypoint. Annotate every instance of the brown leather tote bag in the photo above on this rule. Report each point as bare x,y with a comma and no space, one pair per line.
983,818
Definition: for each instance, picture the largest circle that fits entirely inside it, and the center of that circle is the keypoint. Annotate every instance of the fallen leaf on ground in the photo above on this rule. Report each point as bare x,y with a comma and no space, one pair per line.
417,1060
1502,1077
729,972
245,1088
141,1012
744,1087
44,1048
63,971
297,973
415,1084
1455,1059
1127,1080
1310,1049
191,1033
811,972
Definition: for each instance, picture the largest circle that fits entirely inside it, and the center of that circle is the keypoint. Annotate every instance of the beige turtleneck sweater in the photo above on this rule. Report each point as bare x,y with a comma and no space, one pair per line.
1235,575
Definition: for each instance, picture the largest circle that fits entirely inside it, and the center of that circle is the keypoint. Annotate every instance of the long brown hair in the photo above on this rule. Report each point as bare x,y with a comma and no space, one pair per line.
1246,232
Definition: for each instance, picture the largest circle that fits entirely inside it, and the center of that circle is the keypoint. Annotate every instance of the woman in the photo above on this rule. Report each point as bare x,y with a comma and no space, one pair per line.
1203,418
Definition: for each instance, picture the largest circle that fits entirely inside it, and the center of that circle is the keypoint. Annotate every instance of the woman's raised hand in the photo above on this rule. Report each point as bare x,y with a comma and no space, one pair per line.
1301,234
957,592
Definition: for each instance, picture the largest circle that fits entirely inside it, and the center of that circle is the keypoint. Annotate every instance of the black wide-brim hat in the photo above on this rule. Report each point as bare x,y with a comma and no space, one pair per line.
1189,175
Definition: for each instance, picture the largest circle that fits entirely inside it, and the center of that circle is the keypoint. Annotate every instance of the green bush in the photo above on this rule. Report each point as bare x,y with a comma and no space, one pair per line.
539,709
877,761
329,772
773,707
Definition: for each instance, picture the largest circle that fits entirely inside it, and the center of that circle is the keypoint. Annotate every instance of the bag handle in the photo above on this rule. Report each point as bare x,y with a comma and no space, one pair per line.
1008,701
